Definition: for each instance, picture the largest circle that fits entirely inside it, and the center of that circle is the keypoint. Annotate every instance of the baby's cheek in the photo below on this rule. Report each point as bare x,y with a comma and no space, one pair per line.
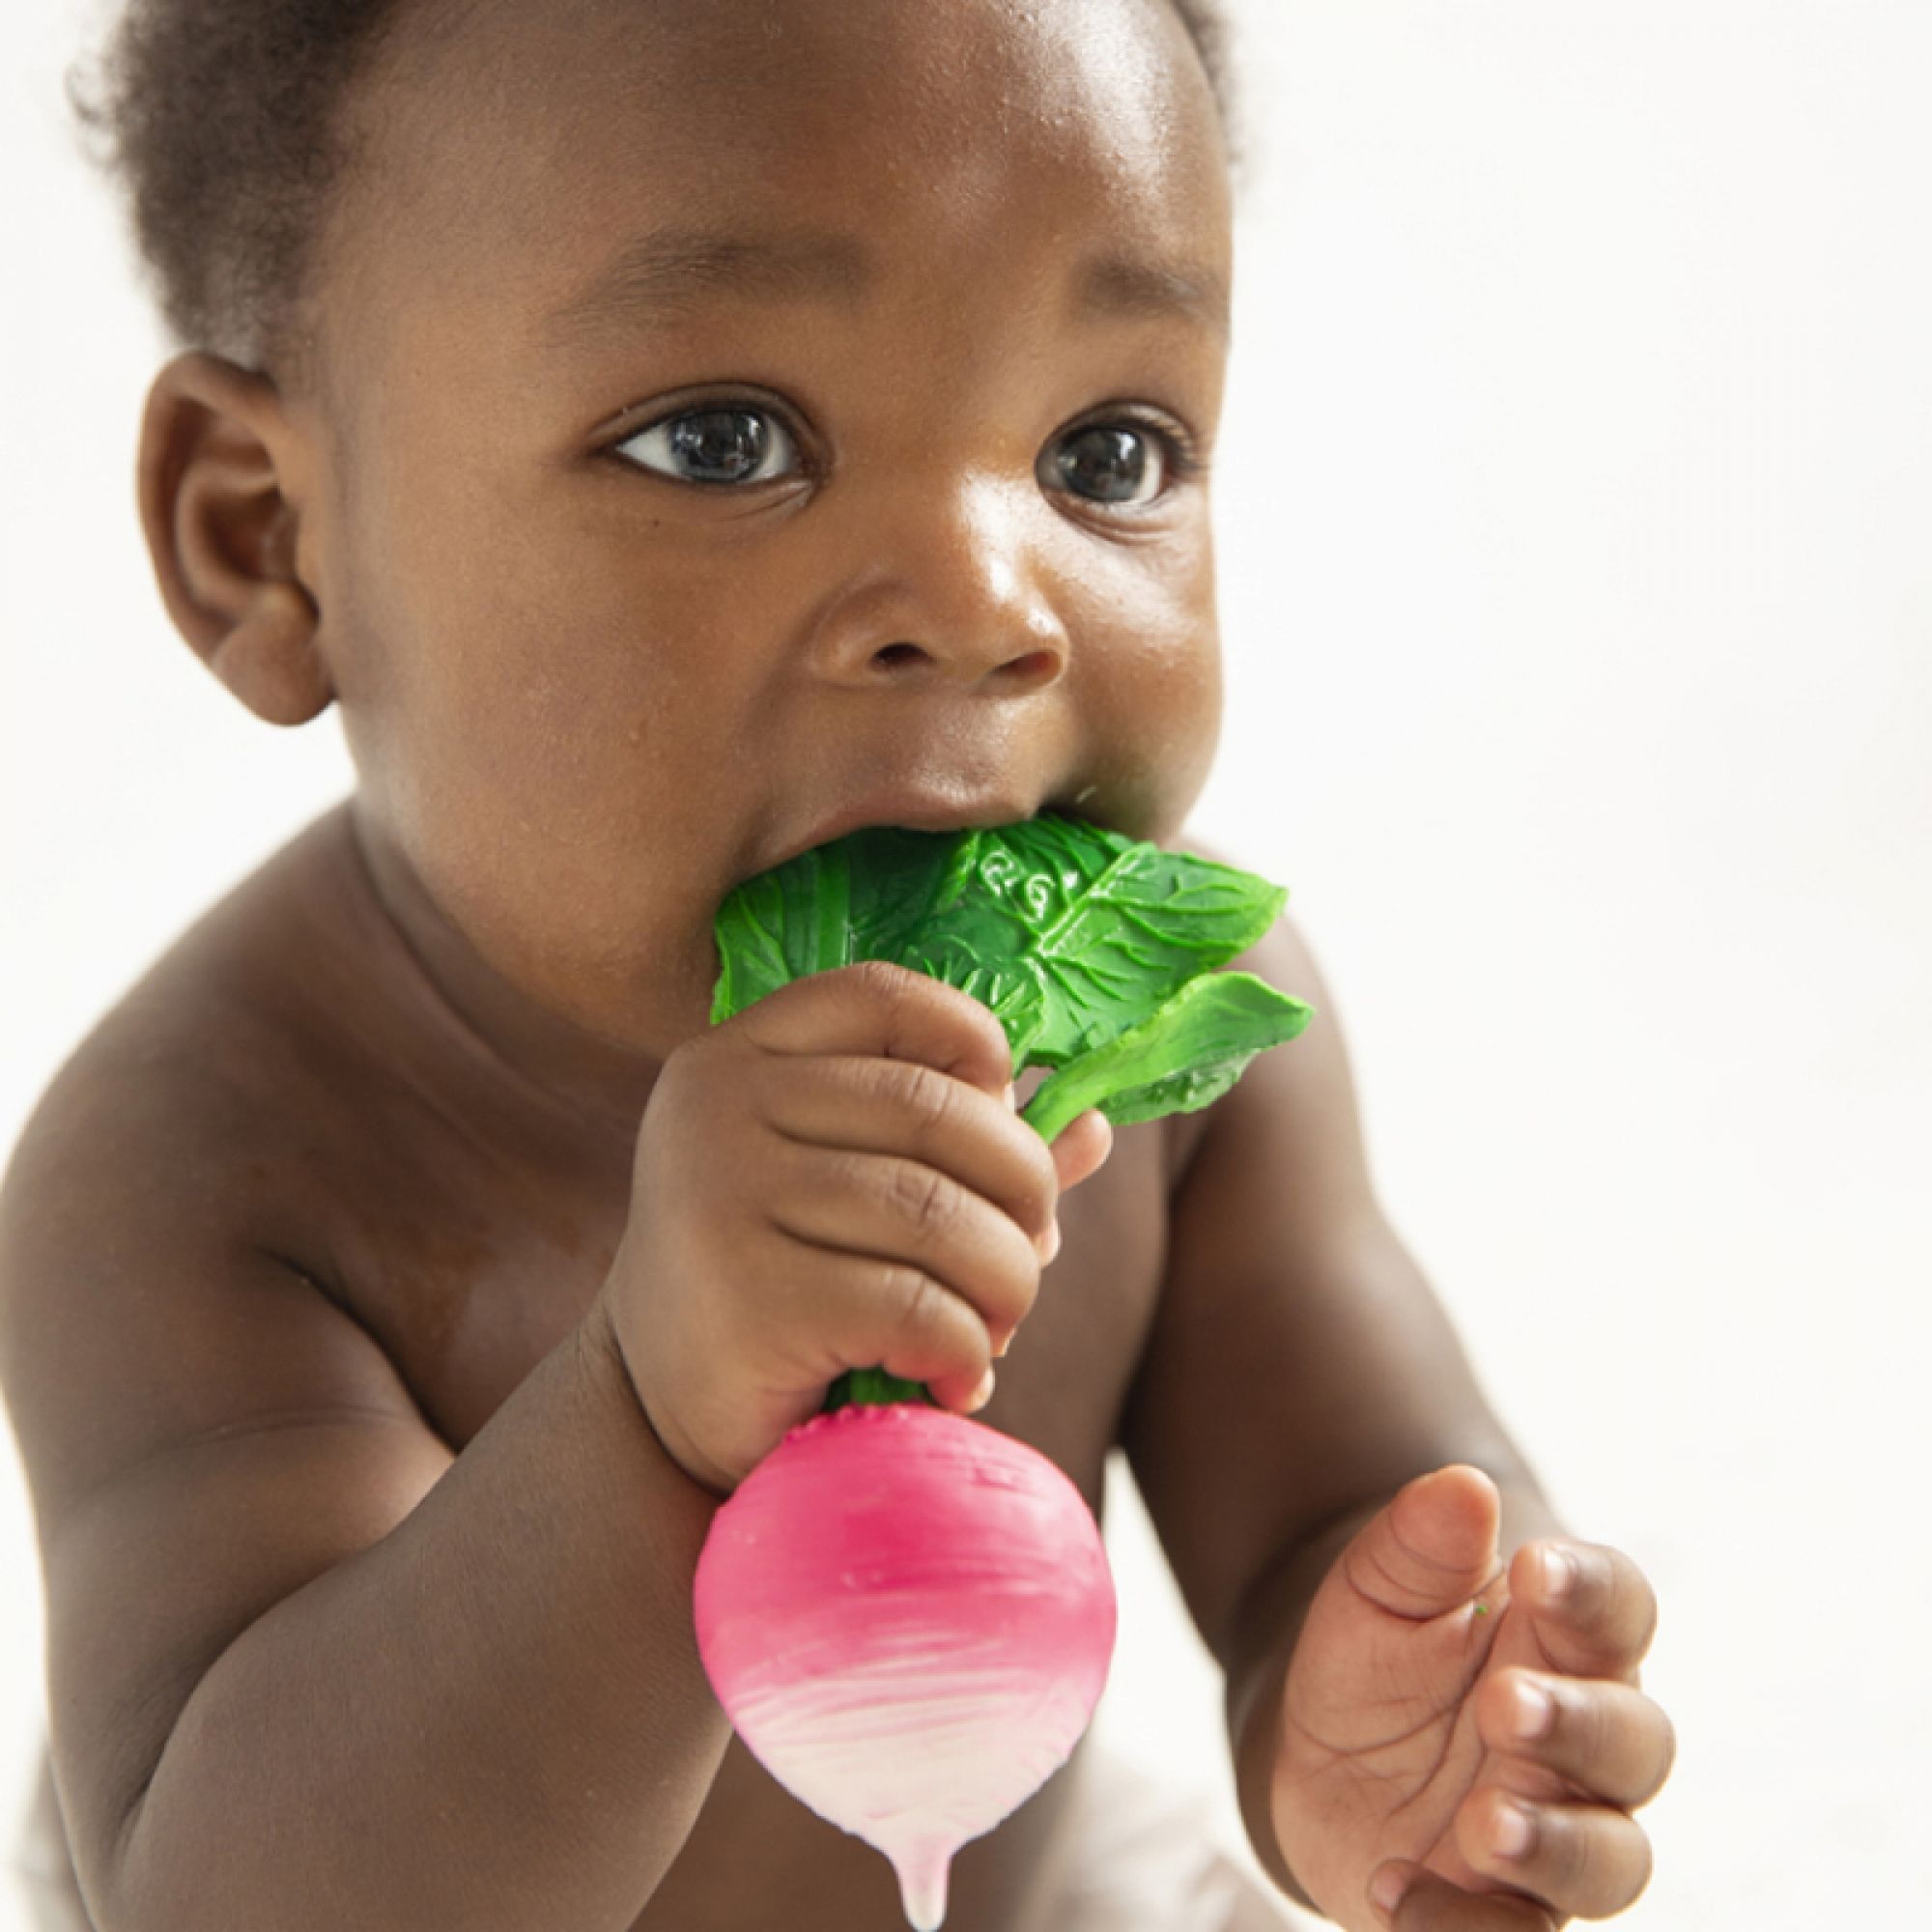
1155,718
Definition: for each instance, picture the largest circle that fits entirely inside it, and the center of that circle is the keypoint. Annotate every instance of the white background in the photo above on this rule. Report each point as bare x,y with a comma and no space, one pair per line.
1574,510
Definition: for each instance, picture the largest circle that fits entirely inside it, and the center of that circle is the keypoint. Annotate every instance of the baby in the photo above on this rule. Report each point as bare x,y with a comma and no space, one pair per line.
674,433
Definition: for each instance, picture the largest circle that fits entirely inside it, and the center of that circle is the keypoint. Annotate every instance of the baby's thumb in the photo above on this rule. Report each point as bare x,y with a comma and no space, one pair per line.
1432,1547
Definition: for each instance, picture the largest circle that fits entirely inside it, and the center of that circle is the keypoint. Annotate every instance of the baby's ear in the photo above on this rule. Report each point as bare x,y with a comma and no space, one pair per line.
214,480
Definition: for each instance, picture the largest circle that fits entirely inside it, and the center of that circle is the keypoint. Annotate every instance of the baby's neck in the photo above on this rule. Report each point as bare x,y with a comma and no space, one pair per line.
545,1064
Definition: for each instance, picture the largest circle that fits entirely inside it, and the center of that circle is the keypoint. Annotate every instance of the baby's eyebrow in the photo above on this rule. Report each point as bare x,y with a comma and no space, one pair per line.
666,274
672,269
1124,285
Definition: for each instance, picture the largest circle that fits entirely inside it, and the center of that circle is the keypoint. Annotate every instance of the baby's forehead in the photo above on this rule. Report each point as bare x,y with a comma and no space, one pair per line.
530,197
540,136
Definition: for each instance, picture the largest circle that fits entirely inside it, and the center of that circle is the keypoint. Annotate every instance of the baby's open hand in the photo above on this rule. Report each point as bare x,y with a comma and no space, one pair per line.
1461,1749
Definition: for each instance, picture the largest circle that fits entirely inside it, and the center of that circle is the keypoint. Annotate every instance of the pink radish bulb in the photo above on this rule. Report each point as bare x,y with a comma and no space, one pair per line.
908,1617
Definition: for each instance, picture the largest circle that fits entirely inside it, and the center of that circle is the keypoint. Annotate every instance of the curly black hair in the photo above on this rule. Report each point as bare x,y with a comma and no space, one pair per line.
219,121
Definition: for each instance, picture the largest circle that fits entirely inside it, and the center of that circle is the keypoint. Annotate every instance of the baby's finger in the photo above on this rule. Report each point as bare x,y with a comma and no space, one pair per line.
1595,1611
874,1105
876,1007
1604,1736
903,1211
1422,1902
1081,1149
866,1310
1585,1860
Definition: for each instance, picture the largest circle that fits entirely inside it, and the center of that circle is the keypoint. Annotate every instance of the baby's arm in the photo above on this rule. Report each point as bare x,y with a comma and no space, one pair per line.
307,1669
1425,1697
1300,1370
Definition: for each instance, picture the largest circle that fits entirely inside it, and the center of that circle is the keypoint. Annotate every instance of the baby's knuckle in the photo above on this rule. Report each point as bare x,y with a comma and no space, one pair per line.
921,1308
724,1124
839,1177
923,1093
764,1171
920,1196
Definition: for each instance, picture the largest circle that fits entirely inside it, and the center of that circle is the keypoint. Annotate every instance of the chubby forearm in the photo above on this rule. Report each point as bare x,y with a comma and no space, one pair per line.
493,1718
1271,1625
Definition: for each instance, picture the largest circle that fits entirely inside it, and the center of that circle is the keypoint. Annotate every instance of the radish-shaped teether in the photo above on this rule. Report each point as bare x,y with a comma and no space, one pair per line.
908,1617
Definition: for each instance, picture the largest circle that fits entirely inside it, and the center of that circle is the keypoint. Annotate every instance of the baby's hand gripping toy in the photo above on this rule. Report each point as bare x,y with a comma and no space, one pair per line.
908,1615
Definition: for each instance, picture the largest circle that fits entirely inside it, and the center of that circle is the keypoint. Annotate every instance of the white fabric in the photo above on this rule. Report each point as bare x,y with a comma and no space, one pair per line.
1142,1858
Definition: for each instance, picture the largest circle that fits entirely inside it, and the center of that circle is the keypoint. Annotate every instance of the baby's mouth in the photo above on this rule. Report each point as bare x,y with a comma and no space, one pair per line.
919,810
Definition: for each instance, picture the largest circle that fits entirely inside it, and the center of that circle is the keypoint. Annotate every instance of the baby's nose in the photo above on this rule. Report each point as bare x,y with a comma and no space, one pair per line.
951,591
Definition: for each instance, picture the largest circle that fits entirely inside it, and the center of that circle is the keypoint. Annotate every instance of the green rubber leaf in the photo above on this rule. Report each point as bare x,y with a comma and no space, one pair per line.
1070,934
1184,1055
782,926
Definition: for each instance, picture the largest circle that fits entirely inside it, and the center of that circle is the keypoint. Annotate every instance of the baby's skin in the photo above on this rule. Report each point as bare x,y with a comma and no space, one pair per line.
725,425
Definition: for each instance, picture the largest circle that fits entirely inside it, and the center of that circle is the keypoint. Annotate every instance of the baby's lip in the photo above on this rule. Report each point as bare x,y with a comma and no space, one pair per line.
911,810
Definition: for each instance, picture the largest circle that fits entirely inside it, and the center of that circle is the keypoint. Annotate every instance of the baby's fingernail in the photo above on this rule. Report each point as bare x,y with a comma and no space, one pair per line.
1535,1711
1005,1343
1516,1833
1559,1573
1013,1095
981,1394
1386,1892
1049,1242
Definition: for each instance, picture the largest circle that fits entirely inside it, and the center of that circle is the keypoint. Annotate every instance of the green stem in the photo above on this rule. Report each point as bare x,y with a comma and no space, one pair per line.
863,1386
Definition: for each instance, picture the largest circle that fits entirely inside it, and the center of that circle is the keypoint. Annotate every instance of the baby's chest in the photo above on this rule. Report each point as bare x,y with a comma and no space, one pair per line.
469,1280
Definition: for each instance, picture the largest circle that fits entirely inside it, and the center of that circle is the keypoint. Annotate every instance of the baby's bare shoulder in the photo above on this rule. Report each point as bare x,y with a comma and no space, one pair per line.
184,1094
167,1206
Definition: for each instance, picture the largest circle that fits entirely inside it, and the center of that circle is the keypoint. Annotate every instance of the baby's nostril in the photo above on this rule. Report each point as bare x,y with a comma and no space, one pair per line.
1028,667
1034,664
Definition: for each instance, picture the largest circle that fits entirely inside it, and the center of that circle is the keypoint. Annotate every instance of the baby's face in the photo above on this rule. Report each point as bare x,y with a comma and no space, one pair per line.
754,419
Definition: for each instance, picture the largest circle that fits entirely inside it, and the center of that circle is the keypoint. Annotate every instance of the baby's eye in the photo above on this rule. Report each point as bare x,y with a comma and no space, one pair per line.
1112,462
716,447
